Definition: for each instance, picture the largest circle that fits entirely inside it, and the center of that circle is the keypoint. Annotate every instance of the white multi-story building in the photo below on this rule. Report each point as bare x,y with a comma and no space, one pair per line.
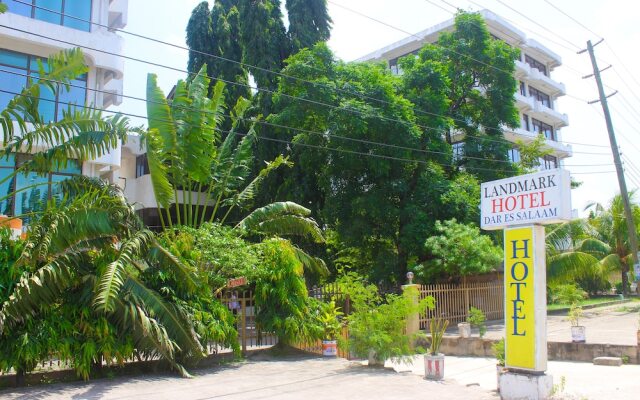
32,30
537,94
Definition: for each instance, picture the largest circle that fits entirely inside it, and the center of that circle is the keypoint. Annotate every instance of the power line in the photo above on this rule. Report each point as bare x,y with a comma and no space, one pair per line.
573,19
276,72
537,23
266,123
292,143
353,111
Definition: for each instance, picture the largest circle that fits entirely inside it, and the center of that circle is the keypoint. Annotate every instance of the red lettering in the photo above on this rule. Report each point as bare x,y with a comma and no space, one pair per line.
513,203
496,205
543,204
533,202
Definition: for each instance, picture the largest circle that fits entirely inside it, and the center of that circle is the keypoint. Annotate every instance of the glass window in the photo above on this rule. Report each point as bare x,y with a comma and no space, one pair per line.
514,155
48,16
458,150
13,68
523,88
12,80
142,165
14,59
545,129
76,95
549,162
524,123
540,96
81,9
535,64
7,165
59,12
33,195
19,8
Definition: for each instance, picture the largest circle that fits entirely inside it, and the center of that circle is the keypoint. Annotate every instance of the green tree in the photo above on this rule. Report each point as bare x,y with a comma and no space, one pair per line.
575,253
213,35
309,23
610,223
478,73
457,251
264,39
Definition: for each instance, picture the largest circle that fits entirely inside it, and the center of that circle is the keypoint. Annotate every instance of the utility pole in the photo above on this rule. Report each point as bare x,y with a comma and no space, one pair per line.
631,227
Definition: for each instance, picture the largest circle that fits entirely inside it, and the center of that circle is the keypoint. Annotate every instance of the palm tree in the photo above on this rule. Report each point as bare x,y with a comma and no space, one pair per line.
204,177
89,250
611,225
574,254
591,249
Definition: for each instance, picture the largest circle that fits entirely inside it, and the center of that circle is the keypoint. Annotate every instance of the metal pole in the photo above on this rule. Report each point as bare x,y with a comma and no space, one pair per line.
633,240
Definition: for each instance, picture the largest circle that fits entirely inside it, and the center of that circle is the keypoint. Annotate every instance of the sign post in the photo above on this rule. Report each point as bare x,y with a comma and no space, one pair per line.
521,206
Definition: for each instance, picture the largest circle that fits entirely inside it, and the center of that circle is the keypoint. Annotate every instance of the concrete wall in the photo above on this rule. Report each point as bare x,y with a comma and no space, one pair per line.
557,351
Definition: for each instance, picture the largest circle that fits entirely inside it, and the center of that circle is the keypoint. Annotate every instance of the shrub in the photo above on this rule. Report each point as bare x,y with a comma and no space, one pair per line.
378,324
498,351
569,293
477,318
458,250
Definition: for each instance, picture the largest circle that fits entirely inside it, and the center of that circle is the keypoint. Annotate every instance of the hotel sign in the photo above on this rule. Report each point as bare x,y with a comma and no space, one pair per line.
521,206
540,198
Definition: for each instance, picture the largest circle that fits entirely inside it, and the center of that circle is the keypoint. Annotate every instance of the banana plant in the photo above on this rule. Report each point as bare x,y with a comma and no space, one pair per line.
203,176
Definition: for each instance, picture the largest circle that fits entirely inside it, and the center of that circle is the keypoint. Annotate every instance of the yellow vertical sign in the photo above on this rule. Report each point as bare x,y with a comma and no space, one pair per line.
520,324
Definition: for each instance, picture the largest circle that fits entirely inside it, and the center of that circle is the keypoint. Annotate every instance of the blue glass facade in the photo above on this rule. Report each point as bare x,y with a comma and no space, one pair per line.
14,69
32,190
70,13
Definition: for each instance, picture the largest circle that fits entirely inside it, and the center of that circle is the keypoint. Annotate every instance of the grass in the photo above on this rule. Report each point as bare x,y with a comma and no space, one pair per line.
586,302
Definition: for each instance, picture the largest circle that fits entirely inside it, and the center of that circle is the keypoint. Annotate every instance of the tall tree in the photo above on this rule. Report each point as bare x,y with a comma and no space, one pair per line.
213,38
479,87
309,23
264,40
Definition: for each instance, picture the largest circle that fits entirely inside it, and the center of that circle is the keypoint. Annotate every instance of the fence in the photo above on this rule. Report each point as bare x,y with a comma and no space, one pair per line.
454,301
242,305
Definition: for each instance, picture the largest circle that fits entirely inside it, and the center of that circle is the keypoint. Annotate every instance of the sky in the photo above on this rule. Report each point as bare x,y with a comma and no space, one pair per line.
354,36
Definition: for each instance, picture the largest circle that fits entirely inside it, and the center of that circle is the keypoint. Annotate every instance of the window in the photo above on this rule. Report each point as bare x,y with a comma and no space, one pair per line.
142,165
34,189
540,96
69,13
458,151
549,162
524,123
514,155
523,88
14,69
545,129
535,64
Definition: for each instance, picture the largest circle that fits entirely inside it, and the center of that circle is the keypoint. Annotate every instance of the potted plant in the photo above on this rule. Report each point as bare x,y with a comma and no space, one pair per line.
332,328
477,319
377,327
498,351
578,332
434,360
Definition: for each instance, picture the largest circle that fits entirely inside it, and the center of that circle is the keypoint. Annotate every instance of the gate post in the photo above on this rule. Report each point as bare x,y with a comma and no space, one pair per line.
413,320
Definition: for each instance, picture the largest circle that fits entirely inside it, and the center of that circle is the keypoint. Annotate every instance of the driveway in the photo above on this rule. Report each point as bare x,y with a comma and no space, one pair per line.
291,378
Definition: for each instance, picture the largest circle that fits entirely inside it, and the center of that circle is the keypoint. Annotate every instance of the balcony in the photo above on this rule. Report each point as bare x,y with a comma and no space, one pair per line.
546,84
560,150
548,115
118,13
524,103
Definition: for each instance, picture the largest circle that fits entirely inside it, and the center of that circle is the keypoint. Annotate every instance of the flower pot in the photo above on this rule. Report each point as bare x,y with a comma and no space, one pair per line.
329,348
434,366
464,328
578,334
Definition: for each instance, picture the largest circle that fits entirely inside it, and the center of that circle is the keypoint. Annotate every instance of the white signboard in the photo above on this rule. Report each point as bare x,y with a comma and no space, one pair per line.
540,198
